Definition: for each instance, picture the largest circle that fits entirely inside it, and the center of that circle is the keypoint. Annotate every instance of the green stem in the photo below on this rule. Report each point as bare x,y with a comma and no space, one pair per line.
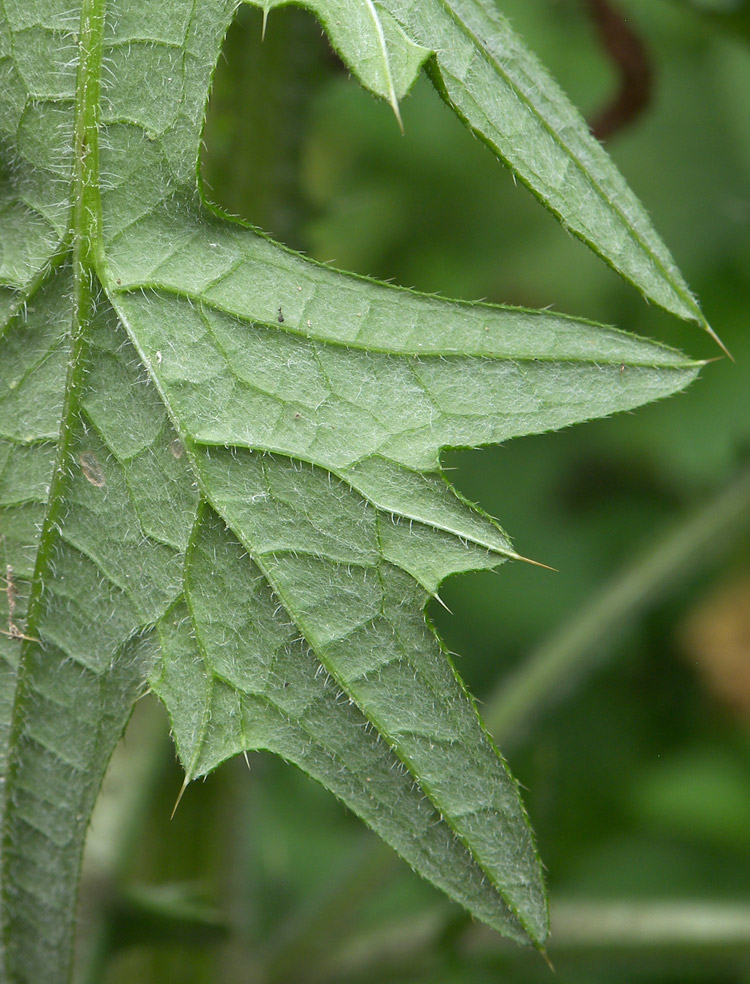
546,675
691,929
136,768
639,925
303,942
259,114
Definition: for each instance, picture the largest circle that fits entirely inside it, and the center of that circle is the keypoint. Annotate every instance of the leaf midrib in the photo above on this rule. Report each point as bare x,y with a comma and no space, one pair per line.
84,239
353,345
84,244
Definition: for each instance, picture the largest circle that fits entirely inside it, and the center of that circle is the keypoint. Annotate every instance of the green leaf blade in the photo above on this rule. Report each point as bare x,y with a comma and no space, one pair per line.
220,469
370,40
496,86
265,381
291,706
363,620
267,378
75,654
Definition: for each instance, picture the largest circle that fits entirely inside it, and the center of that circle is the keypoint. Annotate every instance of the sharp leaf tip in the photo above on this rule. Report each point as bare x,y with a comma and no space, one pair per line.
535,563
179,797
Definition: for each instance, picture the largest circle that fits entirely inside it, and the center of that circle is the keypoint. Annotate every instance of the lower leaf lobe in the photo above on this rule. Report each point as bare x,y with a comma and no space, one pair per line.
282,699
84,653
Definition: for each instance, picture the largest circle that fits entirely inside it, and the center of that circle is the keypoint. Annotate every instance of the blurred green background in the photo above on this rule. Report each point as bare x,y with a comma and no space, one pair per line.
635,753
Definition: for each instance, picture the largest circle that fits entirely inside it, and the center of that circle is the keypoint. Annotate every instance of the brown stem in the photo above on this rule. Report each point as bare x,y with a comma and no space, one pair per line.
631,59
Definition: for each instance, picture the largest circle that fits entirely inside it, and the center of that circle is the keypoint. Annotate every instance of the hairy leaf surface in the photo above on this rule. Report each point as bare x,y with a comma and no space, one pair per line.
498,88
219,466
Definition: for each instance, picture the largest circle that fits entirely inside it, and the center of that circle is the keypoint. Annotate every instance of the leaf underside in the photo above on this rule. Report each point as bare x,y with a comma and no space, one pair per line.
495,84
219,466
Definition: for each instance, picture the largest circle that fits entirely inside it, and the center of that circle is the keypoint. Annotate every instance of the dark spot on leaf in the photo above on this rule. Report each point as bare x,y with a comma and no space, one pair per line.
92,470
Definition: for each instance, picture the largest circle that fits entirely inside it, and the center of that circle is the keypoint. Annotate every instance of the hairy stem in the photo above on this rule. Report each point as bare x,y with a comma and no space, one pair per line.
549,673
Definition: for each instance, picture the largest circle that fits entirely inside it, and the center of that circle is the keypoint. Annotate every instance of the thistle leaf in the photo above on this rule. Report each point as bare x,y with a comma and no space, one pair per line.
220,473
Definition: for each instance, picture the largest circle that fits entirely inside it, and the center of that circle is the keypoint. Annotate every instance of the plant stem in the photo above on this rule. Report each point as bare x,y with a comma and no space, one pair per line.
694,926
259,115
303,942
136,767
547,675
